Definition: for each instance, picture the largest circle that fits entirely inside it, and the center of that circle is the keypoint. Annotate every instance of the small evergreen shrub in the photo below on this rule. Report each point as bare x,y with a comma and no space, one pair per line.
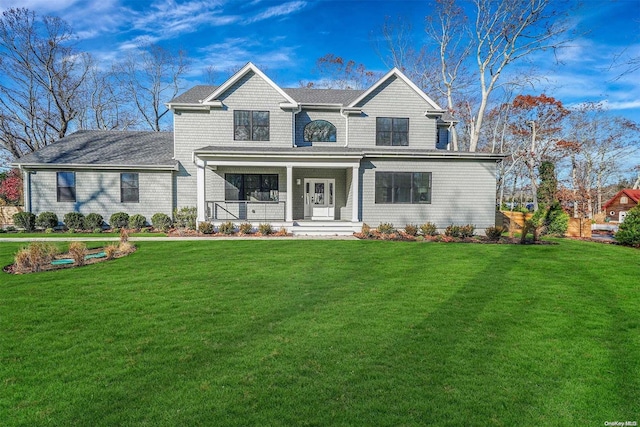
245,228
49,231
185,217
47,220
629,230
265,229
227,228
97,230
429,229
25,220
93,221
137,221
161,222
452,231
494,233
205,228
119,220
556,220
386,228
467,230
74,220
411,229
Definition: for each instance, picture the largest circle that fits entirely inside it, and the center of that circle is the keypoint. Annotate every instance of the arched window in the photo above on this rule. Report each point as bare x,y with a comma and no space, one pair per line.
319,131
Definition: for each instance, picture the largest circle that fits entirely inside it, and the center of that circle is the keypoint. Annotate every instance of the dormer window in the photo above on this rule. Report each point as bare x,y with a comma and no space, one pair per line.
392,131
319,131
250,125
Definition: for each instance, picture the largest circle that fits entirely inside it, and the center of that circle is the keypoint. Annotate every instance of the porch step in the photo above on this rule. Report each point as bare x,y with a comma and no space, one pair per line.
325,228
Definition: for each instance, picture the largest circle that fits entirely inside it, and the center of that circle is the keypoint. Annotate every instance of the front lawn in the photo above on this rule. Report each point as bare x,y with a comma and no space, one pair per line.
364,333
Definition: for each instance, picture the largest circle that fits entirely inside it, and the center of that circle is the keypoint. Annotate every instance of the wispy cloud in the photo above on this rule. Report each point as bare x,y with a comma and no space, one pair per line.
276,11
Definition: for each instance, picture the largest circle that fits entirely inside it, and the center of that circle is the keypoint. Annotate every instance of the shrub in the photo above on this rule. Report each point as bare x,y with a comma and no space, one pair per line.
281,232
77,251
419,238
137,221
205,228
125,247
93,221
386,228
35,256
265,229
124,235
452,231
161,222
25,220
629,230
411,229
227,228
556,220
366,230
245,228
429,229
97,230
48,231
494,233
185,217
111,251
467,230
74,220
119,220
47,220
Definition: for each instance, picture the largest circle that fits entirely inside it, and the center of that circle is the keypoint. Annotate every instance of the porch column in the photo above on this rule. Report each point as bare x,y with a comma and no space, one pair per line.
200,189
355,186
289,202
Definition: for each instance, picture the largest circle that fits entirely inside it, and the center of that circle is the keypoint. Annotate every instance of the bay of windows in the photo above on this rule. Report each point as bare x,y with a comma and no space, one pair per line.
403,187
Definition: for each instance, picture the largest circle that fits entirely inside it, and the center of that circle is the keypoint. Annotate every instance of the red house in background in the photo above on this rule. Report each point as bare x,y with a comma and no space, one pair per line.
618,206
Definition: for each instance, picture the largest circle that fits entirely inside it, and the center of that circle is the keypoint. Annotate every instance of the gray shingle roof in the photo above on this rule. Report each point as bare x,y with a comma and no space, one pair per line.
99,147
302,95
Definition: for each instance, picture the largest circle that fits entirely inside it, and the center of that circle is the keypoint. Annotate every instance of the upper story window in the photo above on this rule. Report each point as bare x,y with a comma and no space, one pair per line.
624,200
66,186
319,131
250,125
129,188
392,131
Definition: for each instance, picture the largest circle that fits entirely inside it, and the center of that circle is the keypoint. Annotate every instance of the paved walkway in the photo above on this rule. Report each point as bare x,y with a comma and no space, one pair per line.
168,239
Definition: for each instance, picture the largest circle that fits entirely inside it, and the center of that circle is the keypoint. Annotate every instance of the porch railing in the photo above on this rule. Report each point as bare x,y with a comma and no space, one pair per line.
245,210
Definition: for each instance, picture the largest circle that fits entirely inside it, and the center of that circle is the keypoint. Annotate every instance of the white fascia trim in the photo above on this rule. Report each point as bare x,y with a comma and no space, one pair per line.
183,106
318,156
237,76
398,74
320,106
37,166
283,163
444,155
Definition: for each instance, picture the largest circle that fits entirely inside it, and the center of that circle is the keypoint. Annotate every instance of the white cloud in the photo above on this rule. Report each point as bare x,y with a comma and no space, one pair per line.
280,10
38,6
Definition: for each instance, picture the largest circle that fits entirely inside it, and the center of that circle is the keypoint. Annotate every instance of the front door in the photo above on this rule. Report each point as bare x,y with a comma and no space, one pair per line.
622,216
319,199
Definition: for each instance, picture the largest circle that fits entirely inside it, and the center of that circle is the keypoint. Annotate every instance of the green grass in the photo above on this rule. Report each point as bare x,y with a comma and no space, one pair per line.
66,235
363,333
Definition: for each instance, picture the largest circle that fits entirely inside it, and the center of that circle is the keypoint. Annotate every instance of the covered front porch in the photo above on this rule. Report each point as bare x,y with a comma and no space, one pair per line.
295,190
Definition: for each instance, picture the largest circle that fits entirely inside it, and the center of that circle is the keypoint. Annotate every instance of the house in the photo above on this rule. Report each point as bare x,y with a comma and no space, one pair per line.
617,207
312,160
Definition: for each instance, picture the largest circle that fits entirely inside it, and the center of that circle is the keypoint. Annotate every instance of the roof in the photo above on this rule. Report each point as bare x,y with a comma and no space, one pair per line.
302,95
632,194
106,148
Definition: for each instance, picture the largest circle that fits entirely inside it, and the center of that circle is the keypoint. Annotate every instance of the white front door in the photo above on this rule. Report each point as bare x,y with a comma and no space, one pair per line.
622,216
319,198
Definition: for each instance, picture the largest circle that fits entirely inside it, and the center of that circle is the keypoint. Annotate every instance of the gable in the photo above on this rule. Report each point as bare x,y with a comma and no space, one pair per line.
633,198
252,90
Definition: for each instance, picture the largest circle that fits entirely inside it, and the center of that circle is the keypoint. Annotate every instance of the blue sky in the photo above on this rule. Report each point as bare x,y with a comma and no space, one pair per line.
286,37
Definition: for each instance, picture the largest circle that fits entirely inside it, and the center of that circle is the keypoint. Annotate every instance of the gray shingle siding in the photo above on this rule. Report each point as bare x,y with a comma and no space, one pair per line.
99,192
462,192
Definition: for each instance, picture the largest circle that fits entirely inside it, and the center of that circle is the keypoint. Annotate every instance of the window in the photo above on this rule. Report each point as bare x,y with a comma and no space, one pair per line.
319,131
250,125
256,187
66,186
403,187
129,189
624,200
392,131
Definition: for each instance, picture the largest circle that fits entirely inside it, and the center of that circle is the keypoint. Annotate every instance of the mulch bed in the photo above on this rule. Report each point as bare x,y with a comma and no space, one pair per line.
10,269
402,236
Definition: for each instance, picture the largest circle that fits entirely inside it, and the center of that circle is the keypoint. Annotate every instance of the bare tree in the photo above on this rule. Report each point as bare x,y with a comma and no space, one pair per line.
506,31
337,73
42,76
150,77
